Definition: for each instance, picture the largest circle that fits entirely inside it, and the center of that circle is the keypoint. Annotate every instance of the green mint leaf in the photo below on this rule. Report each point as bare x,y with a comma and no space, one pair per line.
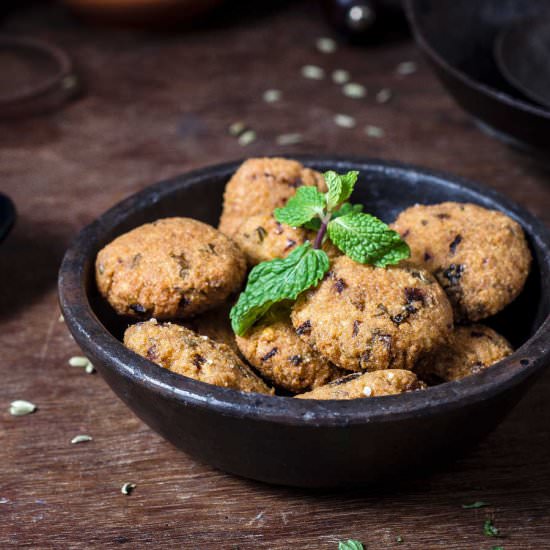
350,544
313,225
346,208
308,203
489,530
474,505
340,187
367,240
275,281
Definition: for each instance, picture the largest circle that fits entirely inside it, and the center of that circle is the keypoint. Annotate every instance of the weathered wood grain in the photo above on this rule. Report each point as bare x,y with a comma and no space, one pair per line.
159,105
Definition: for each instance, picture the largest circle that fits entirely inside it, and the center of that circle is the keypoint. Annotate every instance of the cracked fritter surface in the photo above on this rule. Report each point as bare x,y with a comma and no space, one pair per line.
469,350
184,352
173,267
260,185
362,317
277,352
369,384
479,256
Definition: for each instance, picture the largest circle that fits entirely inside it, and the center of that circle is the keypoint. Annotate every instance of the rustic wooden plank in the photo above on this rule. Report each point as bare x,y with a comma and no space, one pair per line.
159,105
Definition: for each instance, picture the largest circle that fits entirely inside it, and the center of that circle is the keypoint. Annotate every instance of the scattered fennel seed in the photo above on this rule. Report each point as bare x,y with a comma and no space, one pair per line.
313,72
340,76
384,95
272,96
354,90
69,82
247,137
406,68
81,439
78,361
374,131
326,45
399,539
344,121
289,139
489,530
127,488
237,128
90,369
474,505
21,407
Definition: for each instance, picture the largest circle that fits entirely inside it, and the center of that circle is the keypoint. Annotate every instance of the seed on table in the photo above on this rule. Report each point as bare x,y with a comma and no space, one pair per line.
20,407
272,96
344,121
313,72
127,488
406,68
237,128
61,318
246,138
384,95
340,76
289,139
374,131
89,369
326,45
78,361
354,90
81,438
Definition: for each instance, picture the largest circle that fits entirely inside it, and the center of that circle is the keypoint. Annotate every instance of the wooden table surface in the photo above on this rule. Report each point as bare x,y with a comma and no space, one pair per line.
158,105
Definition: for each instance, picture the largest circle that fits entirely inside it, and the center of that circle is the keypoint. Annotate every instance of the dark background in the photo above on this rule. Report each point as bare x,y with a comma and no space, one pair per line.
156,105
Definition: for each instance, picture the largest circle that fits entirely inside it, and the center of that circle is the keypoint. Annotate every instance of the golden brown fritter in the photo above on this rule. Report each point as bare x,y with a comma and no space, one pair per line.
479,256
277,352
469,350
184,352
369,384
263,238
215,324
174,267
259,186
363,317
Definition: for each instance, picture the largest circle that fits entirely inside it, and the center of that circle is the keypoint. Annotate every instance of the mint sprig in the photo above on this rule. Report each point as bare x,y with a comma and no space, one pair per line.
340,187
360,236
367,240
277,280
350,544
307,204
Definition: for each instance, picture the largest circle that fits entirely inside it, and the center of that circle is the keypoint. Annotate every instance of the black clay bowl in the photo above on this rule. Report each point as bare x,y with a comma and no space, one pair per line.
296,442
458,37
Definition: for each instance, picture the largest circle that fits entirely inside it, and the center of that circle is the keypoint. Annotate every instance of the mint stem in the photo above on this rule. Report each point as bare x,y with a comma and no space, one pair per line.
321,233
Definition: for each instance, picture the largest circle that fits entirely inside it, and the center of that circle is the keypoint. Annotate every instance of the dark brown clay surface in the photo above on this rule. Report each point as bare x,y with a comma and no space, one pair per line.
306,443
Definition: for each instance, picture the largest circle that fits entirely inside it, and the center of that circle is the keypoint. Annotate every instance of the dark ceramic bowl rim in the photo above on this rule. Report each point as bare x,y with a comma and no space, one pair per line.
495,94
110,352
57,55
